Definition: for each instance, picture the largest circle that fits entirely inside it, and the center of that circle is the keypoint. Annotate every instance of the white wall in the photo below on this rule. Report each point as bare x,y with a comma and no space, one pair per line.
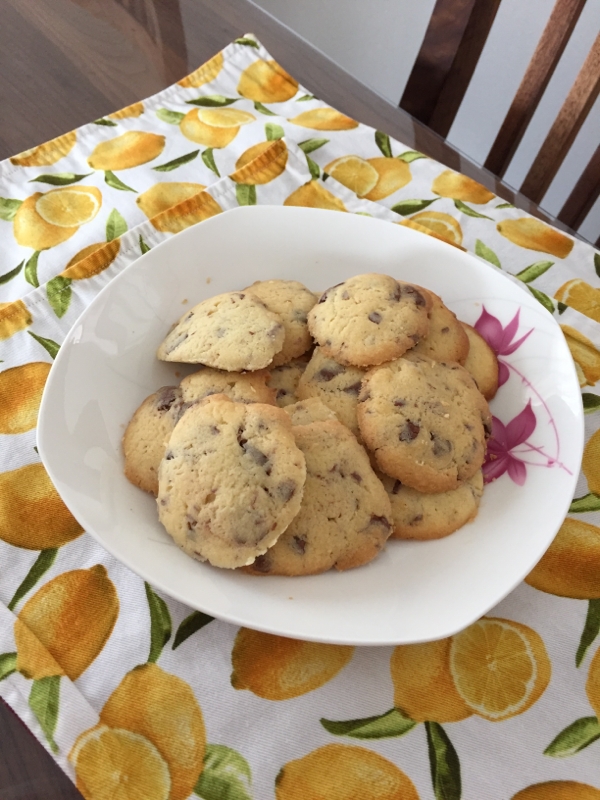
377,42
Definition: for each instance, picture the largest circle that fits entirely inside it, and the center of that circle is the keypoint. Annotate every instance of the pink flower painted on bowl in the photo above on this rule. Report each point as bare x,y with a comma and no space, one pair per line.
500,339
502,454
504,439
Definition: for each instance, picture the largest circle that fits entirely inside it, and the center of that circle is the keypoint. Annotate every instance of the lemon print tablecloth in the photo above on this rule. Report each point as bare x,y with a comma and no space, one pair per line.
136,695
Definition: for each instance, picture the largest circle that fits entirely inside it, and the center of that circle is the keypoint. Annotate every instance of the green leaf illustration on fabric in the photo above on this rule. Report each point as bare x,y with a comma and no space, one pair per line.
406,207
115,225
483,251
313,168
60,178
40,566
587,502
305,97
310,145
444,763
172,117
382,140
591,629
263,109
104,121
246,41
177,162
542,298
8,665
245,194
574,738
43,701
591,402
9,208
383,726
534,271
209,160
160,623
597,263
58,292
144,248
190,625
470,212
226,775
273,132
116,183
562,307
31,269
212,101
8,276
411,155
505,205
50,346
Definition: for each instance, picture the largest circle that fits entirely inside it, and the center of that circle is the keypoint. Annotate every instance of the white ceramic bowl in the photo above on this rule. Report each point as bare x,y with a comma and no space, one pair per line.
414,591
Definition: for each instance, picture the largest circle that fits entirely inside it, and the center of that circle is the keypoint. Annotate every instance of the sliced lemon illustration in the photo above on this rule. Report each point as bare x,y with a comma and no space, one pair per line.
68,207
355,173
500,668
214,127
114,764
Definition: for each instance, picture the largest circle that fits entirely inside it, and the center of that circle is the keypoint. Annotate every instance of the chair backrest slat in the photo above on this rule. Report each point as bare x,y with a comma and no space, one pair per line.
571,117
547,54
584,194
442,43
459,76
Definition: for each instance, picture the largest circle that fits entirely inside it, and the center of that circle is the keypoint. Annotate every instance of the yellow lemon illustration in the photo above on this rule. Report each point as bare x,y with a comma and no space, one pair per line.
393,174
72,616
197,208
165,195
214,127
423,685
267,82
14,317
355,173
32,515
261,163
134,110
128,150
20,395
46,154
585,355
500,667
277,668
314,195
441,224
204,74
571,565
591,463
535,235
558,790
31,230
162,707
459,187
91,260
38,662
343,772
69,206
324,119
119,765
581,296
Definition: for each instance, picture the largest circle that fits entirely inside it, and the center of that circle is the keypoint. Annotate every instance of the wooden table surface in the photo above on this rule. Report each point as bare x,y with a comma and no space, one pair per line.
67,62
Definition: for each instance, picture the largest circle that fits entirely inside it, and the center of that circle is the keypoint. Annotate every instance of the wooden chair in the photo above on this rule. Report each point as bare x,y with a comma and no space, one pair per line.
443,69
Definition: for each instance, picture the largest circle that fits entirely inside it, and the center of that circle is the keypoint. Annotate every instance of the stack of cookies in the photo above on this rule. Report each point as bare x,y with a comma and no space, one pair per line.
316,427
